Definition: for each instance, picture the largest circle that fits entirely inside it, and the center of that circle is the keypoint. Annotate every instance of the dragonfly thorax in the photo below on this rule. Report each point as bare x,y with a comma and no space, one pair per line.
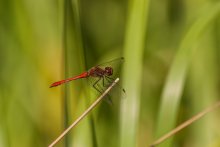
100,72
108,71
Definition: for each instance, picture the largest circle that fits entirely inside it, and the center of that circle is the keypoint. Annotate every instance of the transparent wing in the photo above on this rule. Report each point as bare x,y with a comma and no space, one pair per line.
101,84
116,65
114,61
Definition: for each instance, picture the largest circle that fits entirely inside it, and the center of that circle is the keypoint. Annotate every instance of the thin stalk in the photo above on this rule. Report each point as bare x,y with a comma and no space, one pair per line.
186,123
94,104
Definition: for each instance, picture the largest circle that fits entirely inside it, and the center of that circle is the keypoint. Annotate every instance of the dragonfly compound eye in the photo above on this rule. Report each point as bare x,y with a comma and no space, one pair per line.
109,71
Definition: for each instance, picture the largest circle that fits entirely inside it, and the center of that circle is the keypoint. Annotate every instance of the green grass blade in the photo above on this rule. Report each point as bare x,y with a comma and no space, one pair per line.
133,53
74,63
174,85
203,89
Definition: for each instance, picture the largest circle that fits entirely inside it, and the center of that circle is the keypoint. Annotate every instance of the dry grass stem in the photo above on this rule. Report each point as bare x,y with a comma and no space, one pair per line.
84,114
185,124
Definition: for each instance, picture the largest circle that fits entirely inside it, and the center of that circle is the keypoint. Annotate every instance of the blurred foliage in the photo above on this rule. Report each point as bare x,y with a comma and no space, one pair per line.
171,51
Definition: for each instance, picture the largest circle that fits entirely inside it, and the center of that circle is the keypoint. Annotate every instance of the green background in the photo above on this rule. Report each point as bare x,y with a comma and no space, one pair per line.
171,71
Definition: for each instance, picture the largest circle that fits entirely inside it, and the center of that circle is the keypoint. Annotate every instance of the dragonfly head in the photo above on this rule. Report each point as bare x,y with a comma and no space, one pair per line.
108,71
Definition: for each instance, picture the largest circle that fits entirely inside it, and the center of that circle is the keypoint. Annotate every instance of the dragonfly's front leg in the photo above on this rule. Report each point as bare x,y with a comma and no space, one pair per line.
109,79
95,84
105,83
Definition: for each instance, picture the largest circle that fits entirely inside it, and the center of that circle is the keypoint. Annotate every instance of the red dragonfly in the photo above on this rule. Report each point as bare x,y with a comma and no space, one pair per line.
105,73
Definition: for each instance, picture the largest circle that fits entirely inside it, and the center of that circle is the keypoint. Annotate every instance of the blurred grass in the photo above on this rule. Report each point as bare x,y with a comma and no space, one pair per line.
74,60
174,86
204,90
170,47
135,36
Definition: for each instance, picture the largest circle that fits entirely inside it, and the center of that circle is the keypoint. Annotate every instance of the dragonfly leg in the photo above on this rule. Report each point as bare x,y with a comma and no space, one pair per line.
107,83
95,85
103,82
108,97
109,79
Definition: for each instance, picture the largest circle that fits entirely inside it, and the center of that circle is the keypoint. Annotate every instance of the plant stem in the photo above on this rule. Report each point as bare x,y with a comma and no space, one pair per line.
85,113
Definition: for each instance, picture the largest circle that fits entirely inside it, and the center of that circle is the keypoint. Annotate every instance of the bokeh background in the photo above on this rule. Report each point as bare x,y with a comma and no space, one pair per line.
171,71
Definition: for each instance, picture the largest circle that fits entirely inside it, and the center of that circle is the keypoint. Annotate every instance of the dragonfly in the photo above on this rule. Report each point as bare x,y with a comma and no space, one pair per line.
100,76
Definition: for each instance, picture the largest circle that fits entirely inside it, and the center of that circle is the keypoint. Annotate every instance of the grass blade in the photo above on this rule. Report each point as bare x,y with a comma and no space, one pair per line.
73,60
173,89
133,53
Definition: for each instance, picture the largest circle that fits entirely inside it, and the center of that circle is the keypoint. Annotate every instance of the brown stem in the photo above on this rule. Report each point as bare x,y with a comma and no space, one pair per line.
185,124
84,114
